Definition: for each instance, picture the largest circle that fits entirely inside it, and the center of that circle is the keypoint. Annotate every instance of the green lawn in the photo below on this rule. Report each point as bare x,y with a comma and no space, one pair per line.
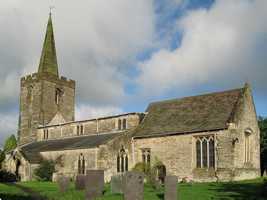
243,190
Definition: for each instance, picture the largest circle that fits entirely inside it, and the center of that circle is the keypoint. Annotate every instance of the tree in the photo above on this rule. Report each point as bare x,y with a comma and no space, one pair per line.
2,157
263,142
10,143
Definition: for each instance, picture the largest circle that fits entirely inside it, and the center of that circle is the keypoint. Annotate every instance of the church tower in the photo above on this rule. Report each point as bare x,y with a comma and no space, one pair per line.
44,94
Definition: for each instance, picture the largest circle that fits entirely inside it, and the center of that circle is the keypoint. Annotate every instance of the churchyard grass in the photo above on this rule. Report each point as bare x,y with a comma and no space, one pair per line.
241,190
11,192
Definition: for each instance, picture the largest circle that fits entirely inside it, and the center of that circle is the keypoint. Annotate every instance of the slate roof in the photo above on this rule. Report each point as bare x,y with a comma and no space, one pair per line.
190,114
32,151
48,60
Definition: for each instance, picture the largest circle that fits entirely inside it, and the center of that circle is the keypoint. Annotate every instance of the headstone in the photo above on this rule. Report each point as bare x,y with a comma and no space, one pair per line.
80,182
133,186
116,184
94,184
265,173
170,188
63,183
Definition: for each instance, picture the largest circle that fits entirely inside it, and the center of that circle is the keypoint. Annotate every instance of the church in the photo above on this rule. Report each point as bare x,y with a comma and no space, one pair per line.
208,137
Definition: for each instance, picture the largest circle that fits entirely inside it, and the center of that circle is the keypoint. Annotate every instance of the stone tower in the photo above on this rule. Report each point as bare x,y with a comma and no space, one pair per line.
44,94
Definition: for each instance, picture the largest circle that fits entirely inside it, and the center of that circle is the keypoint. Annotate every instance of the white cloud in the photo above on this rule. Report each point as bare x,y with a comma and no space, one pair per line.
89,112
93,38
222,44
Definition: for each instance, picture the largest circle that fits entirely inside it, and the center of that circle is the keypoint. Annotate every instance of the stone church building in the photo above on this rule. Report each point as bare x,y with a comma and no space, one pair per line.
208,137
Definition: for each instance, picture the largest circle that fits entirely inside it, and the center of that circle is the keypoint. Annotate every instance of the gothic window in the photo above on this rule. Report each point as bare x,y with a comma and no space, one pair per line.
146,156
29,122
247,145
205,156
124,124
198,150
122,161
119,124
81,164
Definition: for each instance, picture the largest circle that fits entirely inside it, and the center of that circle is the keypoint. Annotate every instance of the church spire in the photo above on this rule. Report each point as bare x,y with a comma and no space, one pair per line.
48,60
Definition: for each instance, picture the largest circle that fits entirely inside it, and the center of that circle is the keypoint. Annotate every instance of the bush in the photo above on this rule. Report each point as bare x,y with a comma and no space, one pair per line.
2,158
7,177
45,171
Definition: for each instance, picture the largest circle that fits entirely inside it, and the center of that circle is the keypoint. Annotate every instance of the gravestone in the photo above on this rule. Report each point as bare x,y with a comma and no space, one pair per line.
94,184
63,183
133,186
170,188
116,184
265,173
80,182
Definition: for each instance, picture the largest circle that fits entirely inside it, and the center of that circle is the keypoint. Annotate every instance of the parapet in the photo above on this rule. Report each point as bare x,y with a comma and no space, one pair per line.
46,76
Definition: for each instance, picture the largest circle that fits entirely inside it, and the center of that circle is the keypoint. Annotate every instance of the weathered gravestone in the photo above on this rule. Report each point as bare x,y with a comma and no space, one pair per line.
94,184
116,184
170,188
80,182
133,186
63,183
265,173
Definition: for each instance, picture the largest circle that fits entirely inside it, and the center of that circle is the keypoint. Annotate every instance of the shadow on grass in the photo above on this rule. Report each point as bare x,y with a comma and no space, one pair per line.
242,191
14,197
31,195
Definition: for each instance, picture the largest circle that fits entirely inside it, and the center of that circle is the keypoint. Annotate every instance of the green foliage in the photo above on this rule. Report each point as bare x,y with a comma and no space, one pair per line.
2,157
141,167
45,171
263,130
10,143
6,177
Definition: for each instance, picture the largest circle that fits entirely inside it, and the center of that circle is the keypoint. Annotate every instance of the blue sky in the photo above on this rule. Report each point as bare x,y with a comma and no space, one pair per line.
125,54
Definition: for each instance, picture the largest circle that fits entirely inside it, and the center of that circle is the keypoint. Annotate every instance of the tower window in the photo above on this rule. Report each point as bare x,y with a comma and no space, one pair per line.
122,161
205,155
58,95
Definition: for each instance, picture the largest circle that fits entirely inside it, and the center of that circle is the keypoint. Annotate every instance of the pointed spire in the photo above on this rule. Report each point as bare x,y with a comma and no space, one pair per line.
48,60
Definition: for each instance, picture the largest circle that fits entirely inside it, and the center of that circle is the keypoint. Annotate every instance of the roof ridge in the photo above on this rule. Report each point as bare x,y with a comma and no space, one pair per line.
200,95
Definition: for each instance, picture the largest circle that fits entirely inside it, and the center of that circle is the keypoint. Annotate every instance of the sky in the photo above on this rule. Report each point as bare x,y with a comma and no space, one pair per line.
125,54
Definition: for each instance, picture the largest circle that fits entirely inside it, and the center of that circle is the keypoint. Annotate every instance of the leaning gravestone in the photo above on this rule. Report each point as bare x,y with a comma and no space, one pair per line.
133,183
63,183
170,188
116,184
80,182
94,184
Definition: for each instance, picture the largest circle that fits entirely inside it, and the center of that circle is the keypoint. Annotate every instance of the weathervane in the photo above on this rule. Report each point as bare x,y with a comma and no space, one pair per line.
51,8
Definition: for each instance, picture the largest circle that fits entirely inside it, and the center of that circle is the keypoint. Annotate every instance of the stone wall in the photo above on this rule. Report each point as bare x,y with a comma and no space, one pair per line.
67,161
90,127
38,105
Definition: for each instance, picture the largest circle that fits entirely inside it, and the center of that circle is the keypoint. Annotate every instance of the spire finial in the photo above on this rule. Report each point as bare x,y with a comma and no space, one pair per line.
50,9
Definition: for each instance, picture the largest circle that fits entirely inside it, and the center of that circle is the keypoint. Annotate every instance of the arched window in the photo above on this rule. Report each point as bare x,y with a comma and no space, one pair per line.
58,95
146,156
81,164
45,134
205,156
198,150
122,161
119,124
79,130
124,124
